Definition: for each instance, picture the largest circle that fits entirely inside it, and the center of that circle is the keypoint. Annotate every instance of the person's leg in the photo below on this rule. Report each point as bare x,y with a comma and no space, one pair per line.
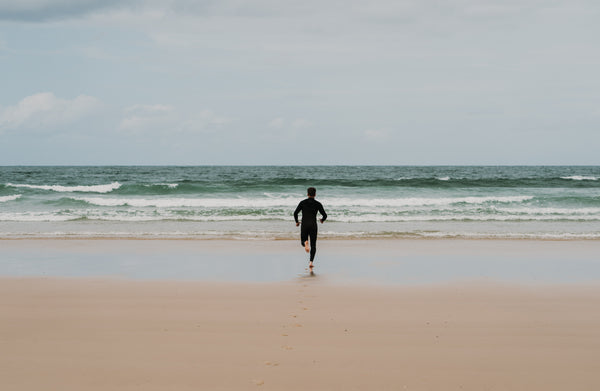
313,244
304,237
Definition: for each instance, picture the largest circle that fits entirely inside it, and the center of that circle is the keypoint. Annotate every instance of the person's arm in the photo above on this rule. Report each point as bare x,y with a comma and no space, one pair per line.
322,211
298,208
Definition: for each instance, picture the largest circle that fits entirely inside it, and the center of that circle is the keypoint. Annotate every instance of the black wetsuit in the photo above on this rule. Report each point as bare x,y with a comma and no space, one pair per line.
309,208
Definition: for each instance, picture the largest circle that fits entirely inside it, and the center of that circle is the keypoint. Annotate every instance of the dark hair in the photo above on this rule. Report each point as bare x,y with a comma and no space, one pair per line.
312,191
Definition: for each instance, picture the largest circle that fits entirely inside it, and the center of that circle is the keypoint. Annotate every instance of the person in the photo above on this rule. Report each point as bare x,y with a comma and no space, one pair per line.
309,208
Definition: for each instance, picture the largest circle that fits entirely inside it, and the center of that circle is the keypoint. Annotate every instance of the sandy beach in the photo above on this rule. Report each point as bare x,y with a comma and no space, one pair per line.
100,332
163,163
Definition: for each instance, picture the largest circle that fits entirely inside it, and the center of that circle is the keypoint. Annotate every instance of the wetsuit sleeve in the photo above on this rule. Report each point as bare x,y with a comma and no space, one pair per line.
298,208
322,211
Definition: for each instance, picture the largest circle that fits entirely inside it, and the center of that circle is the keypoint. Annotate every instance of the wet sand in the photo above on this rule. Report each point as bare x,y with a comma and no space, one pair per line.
389,262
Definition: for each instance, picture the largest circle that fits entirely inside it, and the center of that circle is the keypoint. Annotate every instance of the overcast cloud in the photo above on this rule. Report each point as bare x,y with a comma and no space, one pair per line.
313,82
44,111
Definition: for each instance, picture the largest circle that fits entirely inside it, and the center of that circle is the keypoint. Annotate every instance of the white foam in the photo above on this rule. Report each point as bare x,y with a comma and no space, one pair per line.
551,211
188,202
292,202
375,218
10,198
512,235
68,189
418,201
169,185
273,235
34,217
446,178
166,215
95,215
580,178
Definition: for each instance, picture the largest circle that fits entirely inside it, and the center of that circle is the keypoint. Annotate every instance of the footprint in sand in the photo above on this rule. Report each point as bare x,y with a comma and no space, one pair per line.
286,347
259,382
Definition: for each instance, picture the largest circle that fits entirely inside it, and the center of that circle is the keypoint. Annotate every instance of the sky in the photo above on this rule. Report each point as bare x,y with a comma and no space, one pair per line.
390,82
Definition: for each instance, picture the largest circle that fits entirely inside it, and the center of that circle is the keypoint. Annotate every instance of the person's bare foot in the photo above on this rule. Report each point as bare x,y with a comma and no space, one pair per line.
310,265
306,246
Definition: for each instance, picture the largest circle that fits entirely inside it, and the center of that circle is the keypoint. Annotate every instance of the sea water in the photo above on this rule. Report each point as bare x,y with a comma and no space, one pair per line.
247,202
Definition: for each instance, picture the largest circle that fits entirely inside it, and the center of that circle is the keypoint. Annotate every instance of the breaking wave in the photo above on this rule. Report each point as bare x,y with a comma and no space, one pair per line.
10,198
70,189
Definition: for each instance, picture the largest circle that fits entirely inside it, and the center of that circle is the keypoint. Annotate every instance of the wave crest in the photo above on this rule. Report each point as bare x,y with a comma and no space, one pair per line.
10,198
291,202
71,189
580,178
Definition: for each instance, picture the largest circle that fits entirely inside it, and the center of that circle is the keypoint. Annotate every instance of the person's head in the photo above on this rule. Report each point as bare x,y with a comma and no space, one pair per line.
312,192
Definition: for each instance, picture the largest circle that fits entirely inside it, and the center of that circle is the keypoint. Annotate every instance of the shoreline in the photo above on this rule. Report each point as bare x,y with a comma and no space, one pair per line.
283,239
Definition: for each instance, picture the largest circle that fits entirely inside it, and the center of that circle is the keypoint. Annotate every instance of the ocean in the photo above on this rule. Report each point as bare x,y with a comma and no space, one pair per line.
257,202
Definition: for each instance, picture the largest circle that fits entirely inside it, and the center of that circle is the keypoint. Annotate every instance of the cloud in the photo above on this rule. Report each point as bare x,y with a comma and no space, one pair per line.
161,118
47,10
276,123
44,111
44,10
208,117
280,123
310,15
138,118
376,134
301,123
368,70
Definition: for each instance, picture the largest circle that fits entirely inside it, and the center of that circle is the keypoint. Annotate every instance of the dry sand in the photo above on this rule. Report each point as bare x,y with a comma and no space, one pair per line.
110,334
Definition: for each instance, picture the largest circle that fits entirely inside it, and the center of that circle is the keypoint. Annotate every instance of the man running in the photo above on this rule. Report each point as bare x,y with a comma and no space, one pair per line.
309,208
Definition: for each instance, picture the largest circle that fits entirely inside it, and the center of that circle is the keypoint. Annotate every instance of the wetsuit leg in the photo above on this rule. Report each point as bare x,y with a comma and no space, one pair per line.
303,234
313,243
309,231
